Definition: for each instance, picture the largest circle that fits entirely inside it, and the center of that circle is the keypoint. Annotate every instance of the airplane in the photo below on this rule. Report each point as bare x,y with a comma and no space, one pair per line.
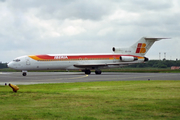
86,62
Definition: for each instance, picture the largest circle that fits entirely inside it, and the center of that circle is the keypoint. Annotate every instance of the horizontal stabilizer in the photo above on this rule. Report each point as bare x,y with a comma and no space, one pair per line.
154,39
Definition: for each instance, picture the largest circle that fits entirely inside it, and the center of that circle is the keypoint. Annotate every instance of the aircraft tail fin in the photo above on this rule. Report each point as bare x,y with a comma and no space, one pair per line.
140,48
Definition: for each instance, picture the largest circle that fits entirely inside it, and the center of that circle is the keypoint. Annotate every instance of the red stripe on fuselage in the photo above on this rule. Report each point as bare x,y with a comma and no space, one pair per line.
48,57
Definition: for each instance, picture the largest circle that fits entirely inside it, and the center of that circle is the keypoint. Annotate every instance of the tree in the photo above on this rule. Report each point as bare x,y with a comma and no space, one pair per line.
3,65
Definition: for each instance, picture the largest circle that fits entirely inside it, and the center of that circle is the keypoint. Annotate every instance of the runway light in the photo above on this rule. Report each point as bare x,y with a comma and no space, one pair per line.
14,87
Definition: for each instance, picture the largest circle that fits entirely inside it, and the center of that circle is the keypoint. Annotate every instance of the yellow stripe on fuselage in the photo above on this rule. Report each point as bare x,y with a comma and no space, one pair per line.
140,57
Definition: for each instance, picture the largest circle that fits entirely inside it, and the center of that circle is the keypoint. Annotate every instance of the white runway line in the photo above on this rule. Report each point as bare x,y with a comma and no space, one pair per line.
4,73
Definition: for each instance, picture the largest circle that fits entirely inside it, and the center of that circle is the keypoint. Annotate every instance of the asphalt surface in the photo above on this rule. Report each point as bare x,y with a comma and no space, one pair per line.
68,77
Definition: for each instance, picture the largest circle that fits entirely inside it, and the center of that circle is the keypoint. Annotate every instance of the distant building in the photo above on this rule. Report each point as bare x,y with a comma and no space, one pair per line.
175,67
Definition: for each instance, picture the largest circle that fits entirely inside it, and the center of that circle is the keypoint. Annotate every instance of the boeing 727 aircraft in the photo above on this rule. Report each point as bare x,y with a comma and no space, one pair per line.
86,62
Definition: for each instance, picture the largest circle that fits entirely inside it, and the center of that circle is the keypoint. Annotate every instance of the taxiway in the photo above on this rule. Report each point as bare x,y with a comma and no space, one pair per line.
67,77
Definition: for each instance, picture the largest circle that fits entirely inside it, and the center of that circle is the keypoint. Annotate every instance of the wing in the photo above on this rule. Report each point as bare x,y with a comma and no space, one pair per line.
97,65
90,65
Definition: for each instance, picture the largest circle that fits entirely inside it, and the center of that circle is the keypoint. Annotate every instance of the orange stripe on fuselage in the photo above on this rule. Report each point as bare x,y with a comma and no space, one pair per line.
140,58
35,57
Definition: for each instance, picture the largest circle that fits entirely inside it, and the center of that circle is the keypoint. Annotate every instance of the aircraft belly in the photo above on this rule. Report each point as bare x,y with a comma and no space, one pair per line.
60,65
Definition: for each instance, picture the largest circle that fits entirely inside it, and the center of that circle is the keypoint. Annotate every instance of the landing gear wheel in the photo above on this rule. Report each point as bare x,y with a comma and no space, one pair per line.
24,73
87,72
98,72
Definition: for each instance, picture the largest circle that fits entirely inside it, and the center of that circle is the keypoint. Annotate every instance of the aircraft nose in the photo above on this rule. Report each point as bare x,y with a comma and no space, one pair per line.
10,65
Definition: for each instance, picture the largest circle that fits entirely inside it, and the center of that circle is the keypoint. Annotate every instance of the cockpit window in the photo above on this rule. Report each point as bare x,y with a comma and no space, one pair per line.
16,60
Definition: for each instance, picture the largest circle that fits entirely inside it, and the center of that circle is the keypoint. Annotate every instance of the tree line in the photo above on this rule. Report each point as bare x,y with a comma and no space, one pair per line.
149,64
156,64
3,65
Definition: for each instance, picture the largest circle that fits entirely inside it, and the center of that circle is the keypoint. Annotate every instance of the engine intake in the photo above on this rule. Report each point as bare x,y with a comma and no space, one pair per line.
128,58
116,49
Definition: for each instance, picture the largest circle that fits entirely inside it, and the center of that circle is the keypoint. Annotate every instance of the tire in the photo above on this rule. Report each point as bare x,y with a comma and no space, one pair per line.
24,73
87,72
98,72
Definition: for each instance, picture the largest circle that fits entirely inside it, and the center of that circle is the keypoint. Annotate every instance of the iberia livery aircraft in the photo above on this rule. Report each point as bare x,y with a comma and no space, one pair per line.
86,62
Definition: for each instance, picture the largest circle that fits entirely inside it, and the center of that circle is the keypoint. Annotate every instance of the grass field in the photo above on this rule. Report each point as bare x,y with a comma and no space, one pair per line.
132,100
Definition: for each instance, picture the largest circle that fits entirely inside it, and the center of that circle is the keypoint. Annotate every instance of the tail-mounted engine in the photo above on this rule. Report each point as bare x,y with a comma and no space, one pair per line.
122,50
128,58
116,49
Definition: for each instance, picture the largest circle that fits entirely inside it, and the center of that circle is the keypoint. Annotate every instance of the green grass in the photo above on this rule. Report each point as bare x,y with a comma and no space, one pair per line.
92,101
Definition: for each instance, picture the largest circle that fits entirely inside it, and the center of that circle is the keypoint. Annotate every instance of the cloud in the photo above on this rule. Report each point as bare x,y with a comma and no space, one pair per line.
76,26
60,9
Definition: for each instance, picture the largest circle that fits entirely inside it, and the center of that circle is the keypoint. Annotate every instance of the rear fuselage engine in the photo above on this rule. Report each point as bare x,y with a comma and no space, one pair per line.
128,58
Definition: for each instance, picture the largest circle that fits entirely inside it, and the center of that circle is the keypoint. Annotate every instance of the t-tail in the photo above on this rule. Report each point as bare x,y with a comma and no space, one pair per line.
140,48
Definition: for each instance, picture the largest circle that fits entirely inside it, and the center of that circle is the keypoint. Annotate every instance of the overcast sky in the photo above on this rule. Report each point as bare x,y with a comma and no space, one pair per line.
29,27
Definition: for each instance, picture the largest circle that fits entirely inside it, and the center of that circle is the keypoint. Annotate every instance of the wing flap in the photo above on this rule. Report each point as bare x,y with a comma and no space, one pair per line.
89,65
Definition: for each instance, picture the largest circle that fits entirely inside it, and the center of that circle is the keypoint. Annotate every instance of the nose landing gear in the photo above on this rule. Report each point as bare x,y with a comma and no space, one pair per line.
24,73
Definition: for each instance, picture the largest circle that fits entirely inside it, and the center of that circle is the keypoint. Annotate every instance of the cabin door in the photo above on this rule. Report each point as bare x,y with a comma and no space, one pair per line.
27,61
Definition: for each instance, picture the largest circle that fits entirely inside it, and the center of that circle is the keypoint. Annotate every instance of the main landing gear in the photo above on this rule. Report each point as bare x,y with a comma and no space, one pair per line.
88,72
98,72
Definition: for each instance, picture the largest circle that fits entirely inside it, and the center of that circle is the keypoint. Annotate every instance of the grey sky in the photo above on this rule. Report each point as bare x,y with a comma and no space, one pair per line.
82,26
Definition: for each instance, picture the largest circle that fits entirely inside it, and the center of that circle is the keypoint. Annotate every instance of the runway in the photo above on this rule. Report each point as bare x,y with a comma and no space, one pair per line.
68,77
